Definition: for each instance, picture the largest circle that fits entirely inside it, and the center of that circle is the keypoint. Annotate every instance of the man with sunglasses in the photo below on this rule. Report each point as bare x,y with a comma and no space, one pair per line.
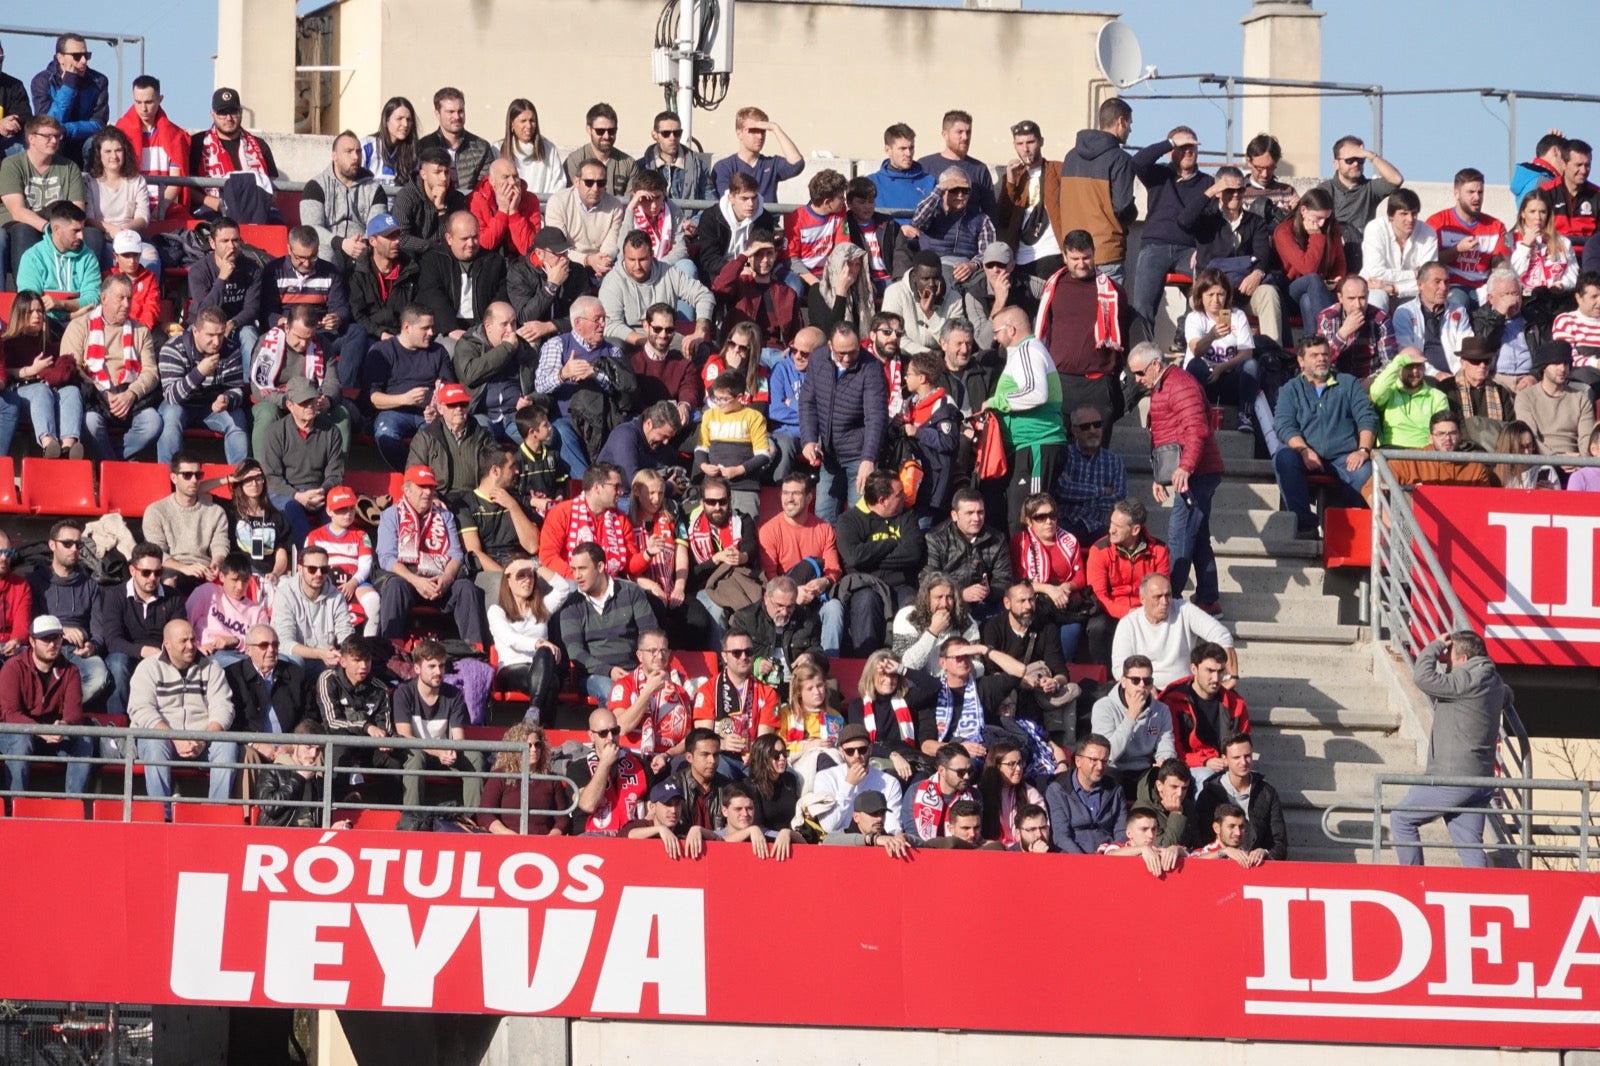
132,619
74,93
38,688
310,615
843,785
1086,807
611,782
926,816
1092,480
616,167
190,528
591,219
1355,196
271,693
735,706
63,587
1138,725
686,172
950,223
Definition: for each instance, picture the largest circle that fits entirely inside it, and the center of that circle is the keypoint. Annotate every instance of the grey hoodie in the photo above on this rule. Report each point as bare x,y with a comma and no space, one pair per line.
336,210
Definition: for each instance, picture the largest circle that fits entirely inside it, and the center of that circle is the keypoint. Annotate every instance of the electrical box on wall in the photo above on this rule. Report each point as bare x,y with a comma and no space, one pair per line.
663,68
717,44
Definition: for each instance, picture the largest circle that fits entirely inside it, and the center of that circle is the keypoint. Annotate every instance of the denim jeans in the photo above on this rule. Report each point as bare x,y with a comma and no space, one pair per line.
15,744
836,489
175,418
92,672
391,432
718,618
1294,481
1311,294
570,445
299,519
158,779
54,412
10,416
832,626
1110,270
1189,539
1243,382
142,432
349,349
1463,828
1156,260
120,667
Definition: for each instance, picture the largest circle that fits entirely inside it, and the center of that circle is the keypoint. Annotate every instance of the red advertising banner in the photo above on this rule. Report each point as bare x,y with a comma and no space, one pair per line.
1522,563
832,937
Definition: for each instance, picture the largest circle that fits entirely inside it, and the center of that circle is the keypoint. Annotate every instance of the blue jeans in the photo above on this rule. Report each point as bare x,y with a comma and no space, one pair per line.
1294,481
299,520
15,744
391,432
10,416
158,779
142,432
175,418
1243,381
54,412
718,616
832,626
1071,634
1312,294
349,349
120,667
687,266
598,686
92,672
1111,270
1464,298
1464,828
1189,539
1156,260
570,445
836,489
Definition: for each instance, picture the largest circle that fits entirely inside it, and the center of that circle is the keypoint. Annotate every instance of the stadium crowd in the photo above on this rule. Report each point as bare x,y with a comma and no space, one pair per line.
860,458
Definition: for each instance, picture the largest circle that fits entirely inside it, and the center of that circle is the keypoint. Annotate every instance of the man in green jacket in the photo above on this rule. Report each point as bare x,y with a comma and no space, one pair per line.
1406,401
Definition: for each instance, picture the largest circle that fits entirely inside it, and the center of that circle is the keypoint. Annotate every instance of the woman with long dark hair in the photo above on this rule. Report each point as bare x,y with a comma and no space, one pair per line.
391,153
1222,347
1310,245
116,196
1004,791
519,624
505,793
538,159
260,530
38,375
776,787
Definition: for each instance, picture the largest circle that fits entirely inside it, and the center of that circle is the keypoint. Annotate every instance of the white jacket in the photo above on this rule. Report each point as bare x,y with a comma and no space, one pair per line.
1384,260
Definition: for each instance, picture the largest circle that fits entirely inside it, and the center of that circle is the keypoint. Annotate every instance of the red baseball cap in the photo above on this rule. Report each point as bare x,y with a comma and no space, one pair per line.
453,394
340,497
422,475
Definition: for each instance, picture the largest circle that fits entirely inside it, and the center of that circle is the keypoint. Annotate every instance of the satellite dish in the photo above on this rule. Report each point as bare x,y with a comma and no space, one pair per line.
1117,54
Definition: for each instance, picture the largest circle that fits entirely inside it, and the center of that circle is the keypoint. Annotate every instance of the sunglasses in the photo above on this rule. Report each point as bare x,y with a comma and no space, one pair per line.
669,133
1043,516
263,645
603,131
739,653
854,750
593,183
1138,679
142,572
308,568
714,501
958,192
525,574
78,55
1089,425
964,771
887,332
614,731
188,475
68,543
8,553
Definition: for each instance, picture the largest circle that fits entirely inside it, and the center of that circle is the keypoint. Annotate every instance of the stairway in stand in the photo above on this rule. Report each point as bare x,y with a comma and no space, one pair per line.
1322,724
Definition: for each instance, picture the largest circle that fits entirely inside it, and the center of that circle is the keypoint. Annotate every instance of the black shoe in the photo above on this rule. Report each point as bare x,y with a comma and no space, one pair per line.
1307,533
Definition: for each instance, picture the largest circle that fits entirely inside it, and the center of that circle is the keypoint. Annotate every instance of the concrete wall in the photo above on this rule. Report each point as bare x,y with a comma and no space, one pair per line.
832,74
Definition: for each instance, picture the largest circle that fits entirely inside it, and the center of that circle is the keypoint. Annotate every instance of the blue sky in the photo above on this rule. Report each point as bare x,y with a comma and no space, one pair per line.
1428,138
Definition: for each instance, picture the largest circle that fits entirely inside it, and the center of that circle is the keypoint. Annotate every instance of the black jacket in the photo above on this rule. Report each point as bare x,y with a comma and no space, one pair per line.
803,634
890,549
714,235
1215,239
290,696
14,98
422,224
894,248
1491,324
689,790
988,556
921,692
1264,828
439,287
534,302
375,314
749,544
127,625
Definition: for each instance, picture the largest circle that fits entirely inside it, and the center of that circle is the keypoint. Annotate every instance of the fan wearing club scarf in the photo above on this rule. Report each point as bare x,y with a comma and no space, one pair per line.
925,814
650,212
1084,319
965,704
890,698
592,517
734,704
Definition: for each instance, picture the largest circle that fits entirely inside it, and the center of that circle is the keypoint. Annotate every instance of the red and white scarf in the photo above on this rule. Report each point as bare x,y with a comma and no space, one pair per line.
902,718
929,807
659,231
214,160
269,357
705,540
893,377
663,564
667,715
1543,271
919,411
612,536
624,797
423,540
1107,328
94,355
1036,555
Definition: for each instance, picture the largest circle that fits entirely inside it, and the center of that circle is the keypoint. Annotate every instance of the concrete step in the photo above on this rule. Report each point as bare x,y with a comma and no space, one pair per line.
1295,657
1319,692
1235,494
1228,524
1241,575
1297,634
1272,607
1317,767
1236,467
1276,716
1308,843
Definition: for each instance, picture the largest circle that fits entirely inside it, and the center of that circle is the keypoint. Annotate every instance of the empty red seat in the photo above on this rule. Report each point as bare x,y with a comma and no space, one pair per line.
128,488
207,814
65,810
9,504
274,240
58,487
1346,537
6,300
110,810
378,819
1091,671
374,482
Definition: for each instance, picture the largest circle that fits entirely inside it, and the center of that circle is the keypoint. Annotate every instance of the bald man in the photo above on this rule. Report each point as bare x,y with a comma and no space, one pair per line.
489,360
459,282
180,689
508,214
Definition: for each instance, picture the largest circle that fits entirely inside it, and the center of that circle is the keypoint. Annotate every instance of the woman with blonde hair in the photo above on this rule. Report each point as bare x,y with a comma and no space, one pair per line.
1541,257
503,798
650,509
886,705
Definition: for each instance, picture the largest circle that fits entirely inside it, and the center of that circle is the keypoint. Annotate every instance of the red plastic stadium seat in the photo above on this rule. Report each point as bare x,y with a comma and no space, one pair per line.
386,819
848,673
771,502
131,487
110,810
374,482
1179,279
274,240
207,814
288,204
6,300
1346,537
63,810
211,470
1090,671
9,504
59,487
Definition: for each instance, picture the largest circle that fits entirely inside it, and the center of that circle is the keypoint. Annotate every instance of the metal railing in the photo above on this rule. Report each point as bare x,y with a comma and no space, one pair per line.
1525,842
1412,603
116,747
115,40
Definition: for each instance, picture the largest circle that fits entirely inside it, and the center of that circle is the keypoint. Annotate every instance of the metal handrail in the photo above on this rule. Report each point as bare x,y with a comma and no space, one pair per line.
1524,847
1413,603
332,745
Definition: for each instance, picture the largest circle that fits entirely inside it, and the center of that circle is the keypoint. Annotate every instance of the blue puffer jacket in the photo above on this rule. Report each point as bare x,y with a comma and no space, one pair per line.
901,189
83,110
844,412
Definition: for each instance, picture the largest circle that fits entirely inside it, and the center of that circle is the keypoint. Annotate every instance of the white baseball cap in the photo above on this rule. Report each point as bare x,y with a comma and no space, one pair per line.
127,241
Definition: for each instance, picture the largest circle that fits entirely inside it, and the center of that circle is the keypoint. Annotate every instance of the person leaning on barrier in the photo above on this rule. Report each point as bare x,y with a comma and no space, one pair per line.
503,796
1444,435
1468,698
270,693
354,703
182,689
38,687
296,774
664,820
1141,844
867,826
429,708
